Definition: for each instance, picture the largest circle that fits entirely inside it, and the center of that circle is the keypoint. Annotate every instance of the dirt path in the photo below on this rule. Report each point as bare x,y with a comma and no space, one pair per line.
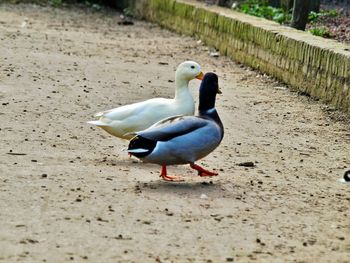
75,195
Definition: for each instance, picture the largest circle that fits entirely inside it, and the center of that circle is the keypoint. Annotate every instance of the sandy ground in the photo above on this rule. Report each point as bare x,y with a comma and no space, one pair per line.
74,194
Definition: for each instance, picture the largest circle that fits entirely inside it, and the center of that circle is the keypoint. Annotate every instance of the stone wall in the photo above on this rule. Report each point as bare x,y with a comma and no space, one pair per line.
316,66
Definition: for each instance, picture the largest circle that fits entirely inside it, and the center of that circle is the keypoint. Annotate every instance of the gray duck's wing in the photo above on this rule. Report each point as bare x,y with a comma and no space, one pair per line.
172,127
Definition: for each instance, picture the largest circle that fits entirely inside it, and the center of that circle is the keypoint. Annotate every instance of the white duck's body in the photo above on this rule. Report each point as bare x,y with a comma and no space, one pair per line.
123,121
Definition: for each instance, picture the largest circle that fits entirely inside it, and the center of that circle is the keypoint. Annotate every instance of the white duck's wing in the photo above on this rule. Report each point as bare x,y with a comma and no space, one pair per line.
166,120
172,127
125,111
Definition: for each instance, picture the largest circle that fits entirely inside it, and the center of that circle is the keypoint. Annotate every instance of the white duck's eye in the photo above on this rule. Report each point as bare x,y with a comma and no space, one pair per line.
192,66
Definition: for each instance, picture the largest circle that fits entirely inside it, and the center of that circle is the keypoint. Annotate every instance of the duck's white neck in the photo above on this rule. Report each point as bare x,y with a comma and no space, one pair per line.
181,90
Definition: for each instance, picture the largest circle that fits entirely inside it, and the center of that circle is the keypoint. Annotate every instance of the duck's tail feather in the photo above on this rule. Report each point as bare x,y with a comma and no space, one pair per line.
102,113
98,123
99,114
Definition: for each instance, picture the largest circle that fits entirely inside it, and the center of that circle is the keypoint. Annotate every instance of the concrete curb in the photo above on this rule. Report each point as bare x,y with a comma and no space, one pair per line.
319,67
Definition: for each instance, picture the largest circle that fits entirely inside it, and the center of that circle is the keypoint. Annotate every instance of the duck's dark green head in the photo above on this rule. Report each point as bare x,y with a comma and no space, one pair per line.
207,91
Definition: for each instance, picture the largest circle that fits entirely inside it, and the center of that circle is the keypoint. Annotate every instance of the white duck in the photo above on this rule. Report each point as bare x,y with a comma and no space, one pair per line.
123,121
183,139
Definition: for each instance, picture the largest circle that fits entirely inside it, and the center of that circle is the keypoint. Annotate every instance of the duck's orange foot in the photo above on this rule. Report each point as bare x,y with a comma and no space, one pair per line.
169,178
201,171
172,178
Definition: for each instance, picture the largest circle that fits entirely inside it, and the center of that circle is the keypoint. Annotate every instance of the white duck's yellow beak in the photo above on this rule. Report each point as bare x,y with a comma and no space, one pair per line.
200,76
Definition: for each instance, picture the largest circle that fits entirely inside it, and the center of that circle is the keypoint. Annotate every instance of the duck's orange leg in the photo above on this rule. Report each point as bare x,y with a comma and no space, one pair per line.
202,171
169,178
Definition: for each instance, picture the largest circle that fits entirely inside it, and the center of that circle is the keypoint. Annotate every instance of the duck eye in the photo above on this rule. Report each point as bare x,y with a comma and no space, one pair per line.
192,66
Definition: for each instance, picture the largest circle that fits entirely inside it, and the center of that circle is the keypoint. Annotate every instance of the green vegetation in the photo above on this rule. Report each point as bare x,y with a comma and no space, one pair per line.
321,32
128,12
262,9
314,17
56,2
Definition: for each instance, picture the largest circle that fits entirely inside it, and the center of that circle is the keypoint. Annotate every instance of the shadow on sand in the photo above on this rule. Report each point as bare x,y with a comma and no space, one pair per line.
188,188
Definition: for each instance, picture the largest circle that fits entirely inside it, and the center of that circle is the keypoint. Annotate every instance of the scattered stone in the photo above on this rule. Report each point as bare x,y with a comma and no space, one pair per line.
281,88
12,153
121,237
110,209
247,164
169,213
28,240
125,21
102,220
203,196
214,54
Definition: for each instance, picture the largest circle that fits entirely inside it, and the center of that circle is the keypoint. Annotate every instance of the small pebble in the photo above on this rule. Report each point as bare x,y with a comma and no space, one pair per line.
214,54
203,196
246,164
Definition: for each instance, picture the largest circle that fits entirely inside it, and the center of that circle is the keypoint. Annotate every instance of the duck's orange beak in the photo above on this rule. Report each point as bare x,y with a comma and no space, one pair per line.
200,76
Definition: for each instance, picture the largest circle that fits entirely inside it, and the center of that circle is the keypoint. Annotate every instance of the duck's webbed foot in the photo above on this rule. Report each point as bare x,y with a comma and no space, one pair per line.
169,178
201,171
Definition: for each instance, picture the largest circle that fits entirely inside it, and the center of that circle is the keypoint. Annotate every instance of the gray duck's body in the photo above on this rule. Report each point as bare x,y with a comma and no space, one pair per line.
183,139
